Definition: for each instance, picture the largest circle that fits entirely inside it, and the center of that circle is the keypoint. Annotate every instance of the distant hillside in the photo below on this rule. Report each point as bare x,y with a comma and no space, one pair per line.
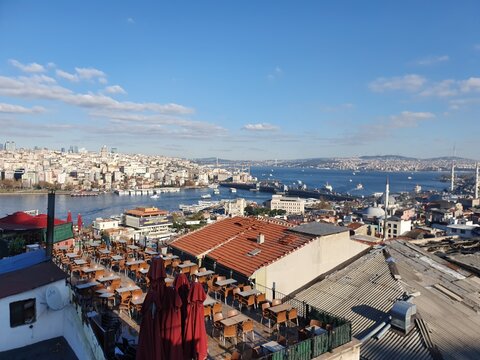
387,157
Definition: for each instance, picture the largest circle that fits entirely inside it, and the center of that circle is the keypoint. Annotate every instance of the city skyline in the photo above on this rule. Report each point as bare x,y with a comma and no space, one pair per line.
263,81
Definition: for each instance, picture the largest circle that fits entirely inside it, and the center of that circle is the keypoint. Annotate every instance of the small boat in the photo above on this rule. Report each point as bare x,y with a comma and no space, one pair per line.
409,178
155,196
206,196
350,180
359,187
328,187
353,173
216,191
233,190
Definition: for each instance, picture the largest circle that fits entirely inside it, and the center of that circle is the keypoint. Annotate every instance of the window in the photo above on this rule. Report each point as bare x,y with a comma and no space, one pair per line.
462,231
22,312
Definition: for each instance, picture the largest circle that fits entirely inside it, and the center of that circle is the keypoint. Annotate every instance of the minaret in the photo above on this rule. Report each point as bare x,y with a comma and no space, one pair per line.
452,180
476,181
387,195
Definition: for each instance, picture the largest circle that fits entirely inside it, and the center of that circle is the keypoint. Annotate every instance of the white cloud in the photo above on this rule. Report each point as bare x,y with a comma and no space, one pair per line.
28,68
67,76
409,119
260,127
115,89
17,109
476,47
31,88
430,60
277,72
411,83
471,84
131,20
444,88
89,73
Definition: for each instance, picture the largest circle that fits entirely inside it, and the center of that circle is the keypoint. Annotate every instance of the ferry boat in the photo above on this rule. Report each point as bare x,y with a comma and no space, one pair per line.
83,193
206,196
233,190
155,196
216,191
328,187
359,187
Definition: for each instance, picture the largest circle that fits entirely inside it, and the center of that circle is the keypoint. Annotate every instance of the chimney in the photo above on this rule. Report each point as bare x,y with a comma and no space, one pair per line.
387,195
50,223
260,238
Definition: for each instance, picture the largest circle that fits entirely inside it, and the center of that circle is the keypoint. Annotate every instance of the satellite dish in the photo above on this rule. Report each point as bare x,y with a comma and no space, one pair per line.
54,298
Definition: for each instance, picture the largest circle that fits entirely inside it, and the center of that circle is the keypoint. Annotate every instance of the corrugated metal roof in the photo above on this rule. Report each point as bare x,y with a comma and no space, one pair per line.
319,229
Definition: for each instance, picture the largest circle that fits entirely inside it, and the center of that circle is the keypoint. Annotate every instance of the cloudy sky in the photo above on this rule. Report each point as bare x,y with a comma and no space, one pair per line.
242,79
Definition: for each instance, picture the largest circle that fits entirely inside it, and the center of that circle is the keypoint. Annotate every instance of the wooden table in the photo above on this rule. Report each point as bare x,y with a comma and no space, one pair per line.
151,252
62,247
226,282
315,330
209,301
234,320
169,257
273,346
108,278
135,262
72,255
186,265
279,308
127,288
104,251
79,262
137,300
248,293
133,247
116,257
204,273
87,285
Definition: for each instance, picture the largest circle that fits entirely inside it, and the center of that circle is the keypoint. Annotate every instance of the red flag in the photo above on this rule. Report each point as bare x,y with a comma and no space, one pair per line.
69,217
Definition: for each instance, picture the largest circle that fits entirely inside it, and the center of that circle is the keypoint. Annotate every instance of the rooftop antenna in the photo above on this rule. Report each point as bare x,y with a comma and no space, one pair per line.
452,180
387,195
476,181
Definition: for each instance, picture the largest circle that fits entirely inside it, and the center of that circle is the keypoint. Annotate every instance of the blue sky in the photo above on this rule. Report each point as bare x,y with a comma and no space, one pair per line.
242,79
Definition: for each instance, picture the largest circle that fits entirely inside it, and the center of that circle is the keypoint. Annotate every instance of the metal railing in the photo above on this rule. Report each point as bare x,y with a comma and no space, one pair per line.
339,329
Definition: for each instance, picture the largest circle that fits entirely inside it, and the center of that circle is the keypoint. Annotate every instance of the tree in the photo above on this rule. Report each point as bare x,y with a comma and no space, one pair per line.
16,246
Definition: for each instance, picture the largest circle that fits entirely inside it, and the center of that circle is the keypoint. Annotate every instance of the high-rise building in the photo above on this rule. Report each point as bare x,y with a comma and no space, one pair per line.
114,150
10,146
1,146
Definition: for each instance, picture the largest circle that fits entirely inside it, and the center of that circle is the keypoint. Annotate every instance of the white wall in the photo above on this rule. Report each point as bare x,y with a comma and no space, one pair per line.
48,324
305,264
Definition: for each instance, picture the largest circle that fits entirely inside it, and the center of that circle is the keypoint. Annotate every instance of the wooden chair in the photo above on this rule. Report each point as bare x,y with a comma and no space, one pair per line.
292,315
125,303
213,288
235,295
137,292
122,266
115,284
265,313
247,288
217,325
232,312
314,322
230,332
260,299
207,312
202,269
236,355
225,291
247,327
247,302
276,302
281,319
217,308
282,340
99,273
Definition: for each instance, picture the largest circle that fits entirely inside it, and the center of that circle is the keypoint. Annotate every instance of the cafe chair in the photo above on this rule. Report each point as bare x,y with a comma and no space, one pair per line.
207,312
247,327
265,313
232,312
292,315
276,302
315,322
260,299
217,325
217,308
247,302
230,332
281,319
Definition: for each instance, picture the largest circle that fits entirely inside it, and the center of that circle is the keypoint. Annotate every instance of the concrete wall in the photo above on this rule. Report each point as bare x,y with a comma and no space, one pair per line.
305,264
48,324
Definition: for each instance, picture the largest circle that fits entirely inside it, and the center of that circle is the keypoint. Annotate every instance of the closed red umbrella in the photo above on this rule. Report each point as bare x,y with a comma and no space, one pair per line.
172,324
79,222
195,337
69,217
182,285
150,343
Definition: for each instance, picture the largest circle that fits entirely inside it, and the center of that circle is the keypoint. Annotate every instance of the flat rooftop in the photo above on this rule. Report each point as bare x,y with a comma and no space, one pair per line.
319,229
52,349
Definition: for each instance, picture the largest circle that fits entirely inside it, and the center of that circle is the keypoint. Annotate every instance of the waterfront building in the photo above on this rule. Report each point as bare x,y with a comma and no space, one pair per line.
270,253
235,207
292,205
100,225
397,226
148,222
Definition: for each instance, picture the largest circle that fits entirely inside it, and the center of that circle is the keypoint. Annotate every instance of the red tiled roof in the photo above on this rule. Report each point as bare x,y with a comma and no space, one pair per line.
355,225
23,221
233,239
